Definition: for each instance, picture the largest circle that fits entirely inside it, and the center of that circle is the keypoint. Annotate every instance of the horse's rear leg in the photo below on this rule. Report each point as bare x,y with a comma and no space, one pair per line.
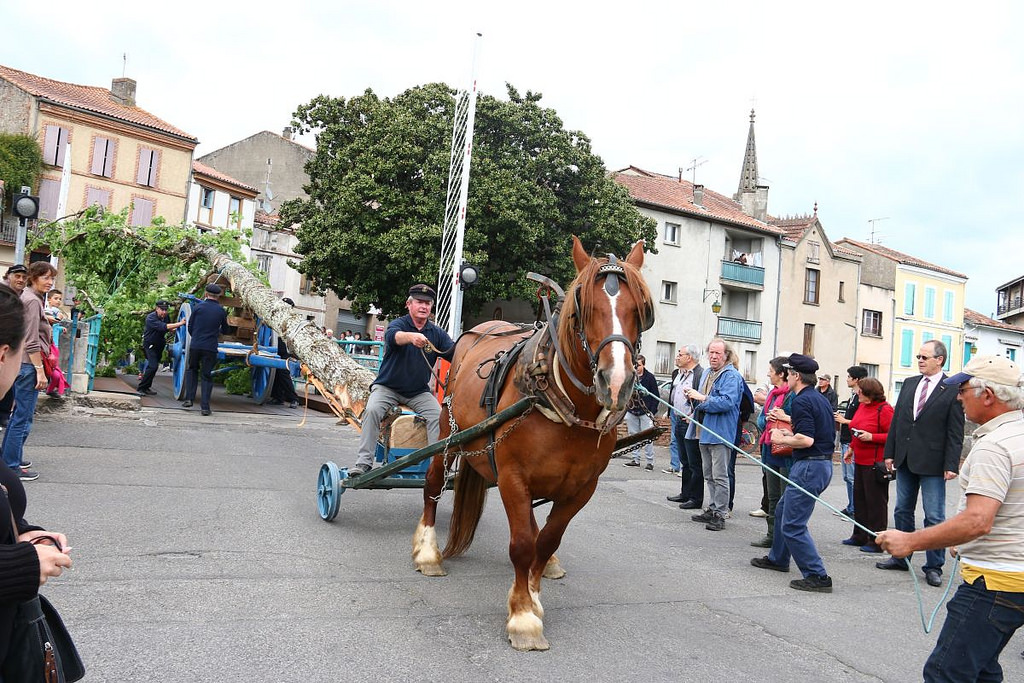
525,626
426,555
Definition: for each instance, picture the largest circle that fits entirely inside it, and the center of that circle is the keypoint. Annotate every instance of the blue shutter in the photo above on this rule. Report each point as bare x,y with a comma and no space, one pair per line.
929,302
948,341
926,336
907,348
908,298
947,308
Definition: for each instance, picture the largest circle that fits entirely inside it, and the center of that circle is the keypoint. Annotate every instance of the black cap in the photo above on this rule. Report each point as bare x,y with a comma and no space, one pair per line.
802,363
288,301
16,268
423,292
162,304
214,289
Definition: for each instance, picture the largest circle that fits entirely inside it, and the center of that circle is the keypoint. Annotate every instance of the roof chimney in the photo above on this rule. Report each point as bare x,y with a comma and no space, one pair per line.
122,91
287,133
698,195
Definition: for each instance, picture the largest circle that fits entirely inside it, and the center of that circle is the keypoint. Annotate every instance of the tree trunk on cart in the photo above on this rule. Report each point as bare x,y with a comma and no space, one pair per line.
344,380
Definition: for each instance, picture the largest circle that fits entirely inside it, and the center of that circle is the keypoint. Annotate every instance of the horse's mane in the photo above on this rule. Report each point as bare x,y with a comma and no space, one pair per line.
579,302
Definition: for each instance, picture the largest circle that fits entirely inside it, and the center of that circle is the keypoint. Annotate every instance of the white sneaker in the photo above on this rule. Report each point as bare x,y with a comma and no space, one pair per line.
758,513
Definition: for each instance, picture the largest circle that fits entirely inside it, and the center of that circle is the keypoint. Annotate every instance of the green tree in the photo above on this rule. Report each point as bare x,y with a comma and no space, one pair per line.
21,161
113,274
377,186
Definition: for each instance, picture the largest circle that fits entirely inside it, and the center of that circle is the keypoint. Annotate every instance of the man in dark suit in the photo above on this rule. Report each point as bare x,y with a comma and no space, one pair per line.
208,321
923,445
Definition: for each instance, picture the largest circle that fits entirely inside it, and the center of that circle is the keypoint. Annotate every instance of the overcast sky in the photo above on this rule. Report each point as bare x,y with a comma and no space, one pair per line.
907,111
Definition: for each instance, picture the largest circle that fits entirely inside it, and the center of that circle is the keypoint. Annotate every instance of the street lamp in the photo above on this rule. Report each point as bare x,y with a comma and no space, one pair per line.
23,207
468,276
716,307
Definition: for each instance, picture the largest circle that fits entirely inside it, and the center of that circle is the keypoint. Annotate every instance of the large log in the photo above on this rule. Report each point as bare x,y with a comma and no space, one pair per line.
346,381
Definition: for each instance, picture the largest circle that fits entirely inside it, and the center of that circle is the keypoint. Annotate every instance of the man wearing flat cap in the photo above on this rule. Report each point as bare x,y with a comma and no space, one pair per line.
208,321
16,278
411,345
987,532
154,339
812,438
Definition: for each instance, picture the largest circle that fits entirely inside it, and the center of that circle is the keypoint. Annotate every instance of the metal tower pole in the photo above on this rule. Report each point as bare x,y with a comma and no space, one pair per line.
449,294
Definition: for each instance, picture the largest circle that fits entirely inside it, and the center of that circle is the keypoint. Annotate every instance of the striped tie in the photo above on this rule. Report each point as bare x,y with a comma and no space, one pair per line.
921,399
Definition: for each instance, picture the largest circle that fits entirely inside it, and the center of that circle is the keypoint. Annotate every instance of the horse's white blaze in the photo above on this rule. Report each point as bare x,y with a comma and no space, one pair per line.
620,370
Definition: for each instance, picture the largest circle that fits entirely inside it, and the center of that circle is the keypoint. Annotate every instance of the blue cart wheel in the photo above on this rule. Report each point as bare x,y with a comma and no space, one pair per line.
179,351
329,490
263,378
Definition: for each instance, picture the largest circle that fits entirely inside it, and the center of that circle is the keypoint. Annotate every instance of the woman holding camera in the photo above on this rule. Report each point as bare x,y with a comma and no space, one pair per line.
868,428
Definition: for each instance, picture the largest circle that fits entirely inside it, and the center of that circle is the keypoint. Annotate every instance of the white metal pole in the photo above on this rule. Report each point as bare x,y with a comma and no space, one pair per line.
455,325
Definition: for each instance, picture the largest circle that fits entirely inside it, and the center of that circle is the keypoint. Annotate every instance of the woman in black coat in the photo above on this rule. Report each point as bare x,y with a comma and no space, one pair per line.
29,555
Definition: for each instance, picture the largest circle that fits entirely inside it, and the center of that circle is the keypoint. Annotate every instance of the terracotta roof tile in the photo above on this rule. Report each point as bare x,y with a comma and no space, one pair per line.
89,98
975,318
899,257
199,167
677,195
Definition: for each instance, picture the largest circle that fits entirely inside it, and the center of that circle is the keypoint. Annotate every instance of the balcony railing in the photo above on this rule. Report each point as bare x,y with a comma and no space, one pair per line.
742,330
1010,305
9,231
747,275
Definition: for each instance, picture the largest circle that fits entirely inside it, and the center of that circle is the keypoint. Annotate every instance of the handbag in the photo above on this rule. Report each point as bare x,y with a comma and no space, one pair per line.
778,449
883,475
40,648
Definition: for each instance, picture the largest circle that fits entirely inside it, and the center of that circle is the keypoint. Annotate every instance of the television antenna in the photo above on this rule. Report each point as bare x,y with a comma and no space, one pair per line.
875,237
695,163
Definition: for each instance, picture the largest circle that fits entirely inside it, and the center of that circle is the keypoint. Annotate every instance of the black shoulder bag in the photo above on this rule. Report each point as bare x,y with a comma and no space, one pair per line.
40,649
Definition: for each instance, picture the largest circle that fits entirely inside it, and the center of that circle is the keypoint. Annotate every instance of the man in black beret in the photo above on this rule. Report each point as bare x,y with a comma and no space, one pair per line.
154,339
411,345
812,438
208,321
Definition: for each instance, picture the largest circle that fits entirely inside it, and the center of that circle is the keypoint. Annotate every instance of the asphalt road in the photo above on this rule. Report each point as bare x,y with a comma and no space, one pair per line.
200,556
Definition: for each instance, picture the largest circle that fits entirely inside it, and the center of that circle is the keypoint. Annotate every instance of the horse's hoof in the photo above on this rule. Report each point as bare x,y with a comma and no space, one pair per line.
526,632
553,570
431,570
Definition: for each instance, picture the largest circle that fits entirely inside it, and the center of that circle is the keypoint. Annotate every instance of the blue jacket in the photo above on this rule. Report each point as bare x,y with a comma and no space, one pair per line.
406,369
208,321
720,411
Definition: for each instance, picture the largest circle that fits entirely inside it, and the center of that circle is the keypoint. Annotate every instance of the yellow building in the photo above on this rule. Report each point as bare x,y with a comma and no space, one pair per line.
120,155
928,303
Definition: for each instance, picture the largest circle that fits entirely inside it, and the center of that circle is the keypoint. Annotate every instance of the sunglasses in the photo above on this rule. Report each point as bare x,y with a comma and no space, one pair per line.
920,357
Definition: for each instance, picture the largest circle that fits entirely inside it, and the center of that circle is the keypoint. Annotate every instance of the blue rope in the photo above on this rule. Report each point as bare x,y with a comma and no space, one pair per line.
928,623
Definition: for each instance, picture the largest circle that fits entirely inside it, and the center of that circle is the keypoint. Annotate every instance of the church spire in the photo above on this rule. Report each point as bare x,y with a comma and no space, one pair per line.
748,176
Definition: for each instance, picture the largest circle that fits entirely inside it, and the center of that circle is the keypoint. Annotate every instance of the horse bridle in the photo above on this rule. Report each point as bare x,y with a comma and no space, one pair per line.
611,271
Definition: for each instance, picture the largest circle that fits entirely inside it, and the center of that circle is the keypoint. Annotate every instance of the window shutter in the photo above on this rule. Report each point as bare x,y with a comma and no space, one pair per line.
144,161
95,195
948,341
62,145
99,155
906,347
50,145
49,193
142,214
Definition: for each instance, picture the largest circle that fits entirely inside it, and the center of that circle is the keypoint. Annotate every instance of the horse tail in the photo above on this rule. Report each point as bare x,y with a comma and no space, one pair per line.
470,495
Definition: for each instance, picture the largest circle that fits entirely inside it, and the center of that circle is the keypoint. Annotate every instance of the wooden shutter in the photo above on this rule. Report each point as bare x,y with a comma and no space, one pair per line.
55,144
142,213
49,193
95,195
149,161
102,157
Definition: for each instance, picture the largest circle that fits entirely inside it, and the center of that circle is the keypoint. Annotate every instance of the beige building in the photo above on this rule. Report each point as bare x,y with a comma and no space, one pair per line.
818,305
120,155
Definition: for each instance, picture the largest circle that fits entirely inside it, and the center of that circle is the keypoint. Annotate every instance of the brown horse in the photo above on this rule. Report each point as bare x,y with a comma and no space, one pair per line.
580,378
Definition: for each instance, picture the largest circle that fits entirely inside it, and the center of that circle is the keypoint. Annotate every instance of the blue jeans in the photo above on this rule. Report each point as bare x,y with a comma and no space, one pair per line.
933,498
638,423
674,443
979,624
848,471
20,424
791,537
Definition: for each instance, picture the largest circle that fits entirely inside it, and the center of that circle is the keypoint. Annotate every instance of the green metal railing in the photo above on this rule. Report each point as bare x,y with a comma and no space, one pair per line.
737,272
735,328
